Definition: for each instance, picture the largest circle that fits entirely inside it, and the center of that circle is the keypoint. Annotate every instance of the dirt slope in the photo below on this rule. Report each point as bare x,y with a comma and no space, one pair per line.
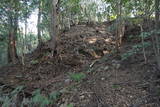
109,82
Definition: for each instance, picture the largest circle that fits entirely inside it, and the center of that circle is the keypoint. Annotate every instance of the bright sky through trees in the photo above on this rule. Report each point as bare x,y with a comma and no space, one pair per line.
32,23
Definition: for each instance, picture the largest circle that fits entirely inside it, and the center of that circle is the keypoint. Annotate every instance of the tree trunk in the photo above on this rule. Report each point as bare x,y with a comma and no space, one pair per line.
157,25
120,25
13,17
157,13
12,42
54,25
38,23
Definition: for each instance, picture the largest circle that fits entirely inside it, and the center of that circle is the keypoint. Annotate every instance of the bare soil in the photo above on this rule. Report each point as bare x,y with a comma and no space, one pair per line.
110,81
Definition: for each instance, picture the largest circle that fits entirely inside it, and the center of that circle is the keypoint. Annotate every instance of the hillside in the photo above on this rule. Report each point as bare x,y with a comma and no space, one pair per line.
86,71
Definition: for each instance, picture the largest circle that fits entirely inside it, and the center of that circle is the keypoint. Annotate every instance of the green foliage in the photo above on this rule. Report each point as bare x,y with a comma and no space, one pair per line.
34,62
127,54
39,99
11,98
135,49
8,99
43,101
145,34
6,102
115,86
70,105
77,76
134,21
112,28
54,96
17,90
155,32
130,37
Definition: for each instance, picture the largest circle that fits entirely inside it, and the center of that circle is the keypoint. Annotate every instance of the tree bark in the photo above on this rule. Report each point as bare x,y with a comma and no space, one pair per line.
54,24
157,25
12,40
157,14
120,25
38,23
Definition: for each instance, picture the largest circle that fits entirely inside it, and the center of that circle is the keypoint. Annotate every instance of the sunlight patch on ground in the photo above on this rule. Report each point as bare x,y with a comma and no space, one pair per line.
92,40
108,40
105,52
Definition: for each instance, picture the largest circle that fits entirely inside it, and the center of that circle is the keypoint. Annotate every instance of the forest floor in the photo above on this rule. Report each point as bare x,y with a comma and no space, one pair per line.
88,73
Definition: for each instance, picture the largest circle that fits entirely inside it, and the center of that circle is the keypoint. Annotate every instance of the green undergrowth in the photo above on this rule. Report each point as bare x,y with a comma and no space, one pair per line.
138,48
135,49
17,96
77,76
36,100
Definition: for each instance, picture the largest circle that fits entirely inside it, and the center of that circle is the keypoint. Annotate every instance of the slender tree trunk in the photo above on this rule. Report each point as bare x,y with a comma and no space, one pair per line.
155,38
142,40
38,23
108,15
120,26
157,21
157,13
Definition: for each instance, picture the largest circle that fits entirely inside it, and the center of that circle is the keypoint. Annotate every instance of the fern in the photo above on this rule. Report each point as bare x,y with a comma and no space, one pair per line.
39,99
54,96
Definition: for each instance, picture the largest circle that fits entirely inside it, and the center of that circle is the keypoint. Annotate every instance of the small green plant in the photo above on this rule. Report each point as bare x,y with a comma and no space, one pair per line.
155,31
46,54
127,55
77,76
42,100
54,96
39,99
131,37
6,101
70,105
34,62
145,34
10,98
115,86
